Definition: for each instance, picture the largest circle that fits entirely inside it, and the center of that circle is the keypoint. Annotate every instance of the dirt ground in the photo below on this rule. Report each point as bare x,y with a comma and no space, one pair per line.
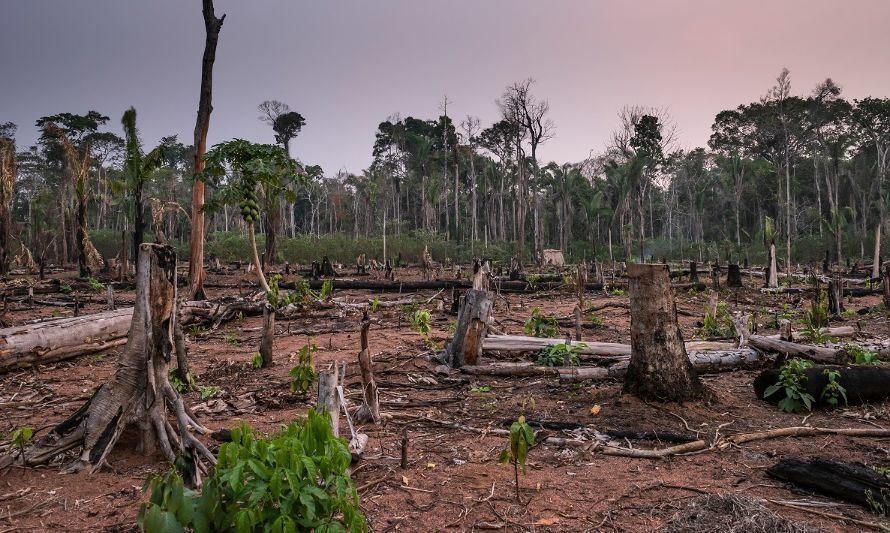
454,481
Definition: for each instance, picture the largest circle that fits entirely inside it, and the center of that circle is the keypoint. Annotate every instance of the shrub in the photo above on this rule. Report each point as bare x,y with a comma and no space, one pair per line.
297,480
539,325
559,355
792,379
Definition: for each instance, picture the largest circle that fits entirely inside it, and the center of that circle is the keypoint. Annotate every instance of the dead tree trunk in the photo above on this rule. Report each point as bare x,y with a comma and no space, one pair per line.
370,410
836,296
328,399
886,285
856,483
472,323
734,277
140,392
212,26
659,367
268,338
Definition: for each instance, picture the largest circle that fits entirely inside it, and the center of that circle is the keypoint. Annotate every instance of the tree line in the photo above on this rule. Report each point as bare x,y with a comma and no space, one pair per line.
803,172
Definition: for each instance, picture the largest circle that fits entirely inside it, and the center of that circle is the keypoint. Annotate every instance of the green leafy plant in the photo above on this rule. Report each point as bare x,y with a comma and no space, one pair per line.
96,285
522,437
296,480
861,356
559,354
65,288
231,338
177,383
209,392
303,375
833,392
420,321
539,325
595,319
617,291
196,330
792,379
375,304
719,324
814,333
21,437
480,389
327,289
256,360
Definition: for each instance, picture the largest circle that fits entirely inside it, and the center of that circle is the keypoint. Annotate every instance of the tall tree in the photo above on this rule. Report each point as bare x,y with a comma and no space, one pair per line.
7,180
212,26
872,118
137,168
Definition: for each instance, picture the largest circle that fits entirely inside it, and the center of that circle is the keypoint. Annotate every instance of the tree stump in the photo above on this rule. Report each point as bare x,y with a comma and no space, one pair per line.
734,277
659,367
328,399
472,322
693,272
852,482
886,285
268,339
140,392
836,296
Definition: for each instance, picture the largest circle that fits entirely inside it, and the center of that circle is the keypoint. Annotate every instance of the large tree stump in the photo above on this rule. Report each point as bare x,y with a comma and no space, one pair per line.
836,296
734,277
268,337
472,322
140,392
659,367
328,399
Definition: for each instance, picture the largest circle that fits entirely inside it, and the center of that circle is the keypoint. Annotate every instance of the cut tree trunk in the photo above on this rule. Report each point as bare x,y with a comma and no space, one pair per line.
836,296
851,482
472,322
886,285
268,338
140,392
659,367
328,399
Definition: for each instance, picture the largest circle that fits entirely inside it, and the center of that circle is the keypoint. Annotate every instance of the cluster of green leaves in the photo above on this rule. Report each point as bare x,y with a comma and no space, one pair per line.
833,392
375,304
792,379
256,360
539,325
815,318
96,285
559,354
209,392
177,383
815,333
595,319
481,389
861,356
297,480
65,288
420,321
719,324
618,291
231,338
303,375
327,289
21,437
522,437
196,330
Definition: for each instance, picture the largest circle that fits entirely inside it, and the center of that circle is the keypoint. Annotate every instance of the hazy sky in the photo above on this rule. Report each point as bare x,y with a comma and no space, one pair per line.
348,65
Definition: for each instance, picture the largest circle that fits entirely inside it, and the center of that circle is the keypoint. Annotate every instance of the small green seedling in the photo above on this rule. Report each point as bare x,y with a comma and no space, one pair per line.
303,375
522,437
209,392
375,304
256,360
420,321
539,325
232,339
792,379
21,437
560,354
481,389
833,391
96,285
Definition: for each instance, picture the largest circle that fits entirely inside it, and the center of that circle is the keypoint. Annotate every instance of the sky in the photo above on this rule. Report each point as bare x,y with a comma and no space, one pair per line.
347,65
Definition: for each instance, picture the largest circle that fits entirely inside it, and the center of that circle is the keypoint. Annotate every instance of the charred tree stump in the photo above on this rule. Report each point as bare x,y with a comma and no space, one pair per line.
577,324
715,276
693,272
826,264
140,392
734,277
852,482
370,409
109,297
836,296
659,367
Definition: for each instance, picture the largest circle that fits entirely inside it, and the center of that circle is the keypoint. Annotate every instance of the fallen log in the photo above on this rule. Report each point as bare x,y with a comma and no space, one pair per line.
863,384
55,340
851,482
789,349
522,344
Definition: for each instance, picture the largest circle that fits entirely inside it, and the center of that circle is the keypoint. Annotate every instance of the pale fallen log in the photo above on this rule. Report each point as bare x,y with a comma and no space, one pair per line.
55,340
706,361
820,354
837,331
520,343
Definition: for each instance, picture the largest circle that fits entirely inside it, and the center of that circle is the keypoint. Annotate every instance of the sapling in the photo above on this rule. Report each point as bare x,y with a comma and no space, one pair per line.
522,437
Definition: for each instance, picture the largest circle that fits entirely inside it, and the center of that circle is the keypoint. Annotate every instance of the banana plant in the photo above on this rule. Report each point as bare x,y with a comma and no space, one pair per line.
836,223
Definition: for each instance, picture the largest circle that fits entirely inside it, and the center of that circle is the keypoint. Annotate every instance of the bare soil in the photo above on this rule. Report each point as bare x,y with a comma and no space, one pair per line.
453,481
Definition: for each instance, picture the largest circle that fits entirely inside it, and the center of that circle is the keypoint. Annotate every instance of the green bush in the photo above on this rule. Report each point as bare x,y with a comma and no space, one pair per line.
297,480
539,325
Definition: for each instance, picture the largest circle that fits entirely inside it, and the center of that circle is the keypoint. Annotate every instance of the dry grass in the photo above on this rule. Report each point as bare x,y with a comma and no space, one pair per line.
731,513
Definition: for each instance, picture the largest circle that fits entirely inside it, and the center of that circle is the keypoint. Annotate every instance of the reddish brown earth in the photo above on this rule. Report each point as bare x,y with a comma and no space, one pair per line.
454,481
